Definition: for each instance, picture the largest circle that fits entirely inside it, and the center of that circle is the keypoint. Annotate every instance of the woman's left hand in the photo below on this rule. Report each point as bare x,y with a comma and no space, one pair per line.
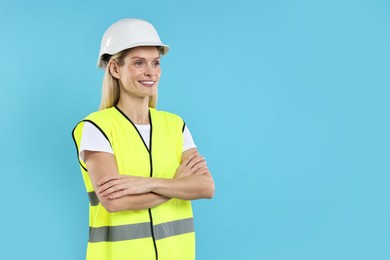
118,186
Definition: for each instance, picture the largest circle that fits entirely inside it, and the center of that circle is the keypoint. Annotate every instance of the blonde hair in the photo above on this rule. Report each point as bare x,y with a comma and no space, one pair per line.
110,86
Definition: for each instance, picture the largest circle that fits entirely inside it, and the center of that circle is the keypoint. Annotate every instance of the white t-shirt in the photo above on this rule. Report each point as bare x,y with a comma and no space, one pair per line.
93,140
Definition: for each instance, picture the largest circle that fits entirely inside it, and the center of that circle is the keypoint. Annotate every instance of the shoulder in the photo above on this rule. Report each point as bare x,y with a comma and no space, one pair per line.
163,113
102,120
169,117
104,114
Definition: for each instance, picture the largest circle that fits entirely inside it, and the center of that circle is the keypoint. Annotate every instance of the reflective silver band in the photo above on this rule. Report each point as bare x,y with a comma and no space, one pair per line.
174,228
141,230
120,233
93,199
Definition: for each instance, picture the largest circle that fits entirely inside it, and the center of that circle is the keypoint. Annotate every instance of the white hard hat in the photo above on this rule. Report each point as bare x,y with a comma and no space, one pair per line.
128,33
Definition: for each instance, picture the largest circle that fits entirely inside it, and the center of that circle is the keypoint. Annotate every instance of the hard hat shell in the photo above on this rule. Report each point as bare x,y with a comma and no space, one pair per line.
128,33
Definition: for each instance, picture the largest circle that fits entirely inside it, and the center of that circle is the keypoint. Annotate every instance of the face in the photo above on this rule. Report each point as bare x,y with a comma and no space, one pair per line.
140,73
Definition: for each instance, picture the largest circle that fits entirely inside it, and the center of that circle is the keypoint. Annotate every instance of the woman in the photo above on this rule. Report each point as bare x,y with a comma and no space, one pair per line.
140,165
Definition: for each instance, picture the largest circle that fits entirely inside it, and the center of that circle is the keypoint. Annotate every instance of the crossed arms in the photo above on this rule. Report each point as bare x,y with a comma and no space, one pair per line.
124,192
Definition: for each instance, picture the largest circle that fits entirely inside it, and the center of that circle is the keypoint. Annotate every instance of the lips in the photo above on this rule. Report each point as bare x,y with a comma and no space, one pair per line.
147,83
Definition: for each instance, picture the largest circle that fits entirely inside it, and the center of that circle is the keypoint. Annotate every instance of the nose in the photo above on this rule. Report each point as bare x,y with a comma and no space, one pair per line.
149,71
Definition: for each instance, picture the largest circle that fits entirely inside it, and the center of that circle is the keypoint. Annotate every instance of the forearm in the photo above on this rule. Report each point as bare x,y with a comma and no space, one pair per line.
187,188
192,181
134,202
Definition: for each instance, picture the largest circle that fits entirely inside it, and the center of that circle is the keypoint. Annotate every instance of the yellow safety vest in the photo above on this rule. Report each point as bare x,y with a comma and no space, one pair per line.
165,232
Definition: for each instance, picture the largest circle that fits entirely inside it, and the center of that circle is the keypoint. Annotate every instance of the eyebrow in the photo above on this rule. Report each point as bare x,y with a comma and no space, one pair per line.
142,58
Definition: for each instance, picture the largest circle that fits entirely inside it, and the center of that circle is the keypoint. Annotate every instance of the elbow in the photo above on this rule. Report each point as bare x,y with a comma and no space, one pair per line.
110,206
208,187
111,209
209,192
116,205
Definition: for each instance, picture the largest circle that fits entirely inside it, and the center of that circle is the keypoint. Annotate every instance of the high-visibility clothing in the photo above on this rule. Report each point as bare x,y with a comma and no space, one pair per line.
165,232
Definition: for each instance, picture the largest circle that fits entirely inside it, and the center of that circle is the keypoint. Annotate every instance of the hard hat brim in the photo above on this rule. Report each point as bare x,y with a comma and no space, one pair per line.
164,49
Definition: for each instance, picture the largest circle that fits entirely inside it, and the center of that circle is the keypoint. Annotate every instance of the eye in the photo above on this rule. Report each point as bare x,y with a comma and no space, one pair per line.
138,63
156,64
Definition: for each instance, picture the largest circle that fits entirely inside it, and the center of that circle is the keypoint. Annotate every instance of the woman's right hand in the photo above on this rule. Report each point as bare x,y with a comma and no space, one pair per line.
118,186
194,164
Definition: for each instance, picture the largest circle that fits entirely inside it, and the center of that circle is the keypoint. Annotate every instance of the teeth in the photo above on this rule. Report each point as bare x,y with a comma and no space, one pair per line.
147,82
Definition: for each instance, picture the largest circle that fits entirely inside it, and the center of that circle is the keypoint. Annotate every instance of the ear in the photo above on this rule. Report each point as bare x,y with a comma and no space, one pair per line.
114,69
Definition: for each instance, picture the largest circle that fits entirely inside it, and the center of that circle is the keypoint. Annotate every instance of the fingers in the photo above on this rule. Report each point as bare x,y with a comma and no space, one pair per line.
202,171
195,160
109,188
190,158
115,187
111,184
195,164
107,179
117,195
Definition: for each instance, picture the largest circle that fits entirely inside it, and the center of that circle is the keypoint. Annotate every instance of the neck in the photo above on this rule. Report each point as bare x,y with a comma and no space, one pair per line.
137,109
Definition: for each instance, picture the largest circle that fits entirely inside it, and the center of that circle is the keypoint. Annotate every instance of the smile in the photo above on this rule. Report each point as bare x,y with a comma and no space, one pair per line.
147,83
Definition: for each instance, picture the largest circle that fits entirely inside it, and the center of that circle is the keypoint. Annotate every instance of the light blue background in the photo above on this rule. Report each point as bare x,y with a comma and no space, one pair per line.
287,100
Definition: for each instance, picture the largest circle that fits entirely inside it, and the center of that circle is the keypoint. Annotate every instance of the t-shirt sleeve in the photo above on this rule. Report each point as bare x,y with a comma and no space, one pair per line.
188,140
93,140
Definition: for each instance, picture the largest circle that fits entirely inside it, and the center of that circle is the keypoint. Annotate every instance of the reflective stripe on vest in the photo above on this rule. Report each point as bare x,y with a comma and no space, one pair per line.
93,199
141,230
129,234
